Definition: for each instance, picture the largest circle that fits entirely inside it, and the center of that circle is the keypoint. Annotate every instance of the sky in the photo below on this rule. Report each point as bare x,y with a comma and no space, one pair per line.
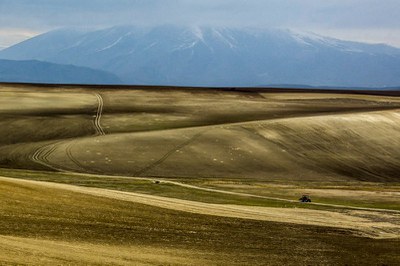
374,21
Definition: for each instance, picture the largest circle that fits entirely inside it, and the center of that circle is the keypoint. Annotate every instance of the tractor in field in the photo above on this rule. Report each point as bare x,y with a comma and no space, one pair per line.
305,198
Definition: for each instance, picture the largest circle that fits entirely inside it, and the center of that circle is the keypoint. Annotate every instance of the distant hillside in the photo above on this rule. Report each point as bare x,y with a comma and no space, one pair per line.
210,56
41,72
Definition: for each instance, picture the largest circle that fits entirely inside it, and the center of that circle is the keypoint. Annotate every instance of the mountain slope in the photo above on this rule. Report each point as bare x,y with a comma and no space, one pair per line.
206,56
42,72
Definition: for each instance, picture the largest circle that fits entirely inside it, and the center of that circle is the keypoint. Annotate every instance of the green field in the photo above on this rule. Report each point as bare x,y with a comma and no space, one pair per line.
175,176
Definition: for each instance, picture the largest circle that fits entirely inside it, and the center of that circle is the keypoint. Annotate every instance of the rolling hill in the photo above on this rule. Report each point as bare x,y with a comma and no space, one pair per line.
202,133
143,175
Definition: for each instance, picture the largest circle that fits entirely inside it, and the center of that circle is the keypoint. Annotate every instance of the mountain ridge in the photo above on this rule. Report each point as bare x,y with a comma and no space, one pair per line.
217,56
34,71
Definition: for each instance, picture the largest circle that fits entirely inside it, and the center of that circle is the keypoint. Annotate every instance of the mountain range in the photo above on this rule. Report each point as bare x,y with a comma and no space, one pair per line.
216,56
33,71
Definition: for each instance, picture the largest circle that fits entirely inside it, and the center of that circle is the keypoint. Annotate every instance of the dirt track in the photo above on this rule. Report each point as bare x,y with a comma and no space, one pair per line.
366,223
97,120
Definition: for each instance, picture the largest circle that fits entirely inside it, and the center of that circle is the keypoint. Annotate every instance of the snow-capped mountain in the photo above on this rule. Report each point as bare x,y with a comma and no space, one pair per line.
211,56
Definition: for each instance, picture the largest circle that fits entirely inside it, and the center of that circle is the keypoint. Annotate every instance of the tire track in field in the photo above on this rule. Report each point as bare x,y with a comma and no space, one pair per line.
99,112
168,154
68,150
41,155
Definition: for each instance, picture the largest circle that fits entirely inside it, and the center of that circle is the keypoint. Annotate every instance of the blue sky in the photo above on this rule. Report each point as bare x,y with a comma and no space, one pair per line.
363,20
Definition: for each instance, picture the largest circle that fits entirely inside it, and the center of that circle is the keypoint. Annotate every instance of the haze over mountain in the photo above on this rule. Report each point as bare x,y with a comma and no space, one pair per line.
216,56
33,71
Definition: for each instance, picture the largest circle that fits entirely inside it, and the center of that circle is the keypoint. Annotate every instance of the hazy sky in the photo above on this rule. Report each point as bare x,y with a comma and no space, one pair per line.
364,20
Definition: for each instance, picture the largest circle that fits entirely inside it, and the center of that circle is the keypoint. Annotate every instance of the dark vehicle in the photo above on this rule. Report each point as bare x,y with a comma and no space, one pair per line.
305,198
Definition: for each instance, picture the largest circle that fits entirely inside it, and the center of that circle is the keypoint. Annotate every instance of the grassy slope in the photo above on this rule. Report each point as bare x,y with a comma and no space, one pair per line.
31,211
